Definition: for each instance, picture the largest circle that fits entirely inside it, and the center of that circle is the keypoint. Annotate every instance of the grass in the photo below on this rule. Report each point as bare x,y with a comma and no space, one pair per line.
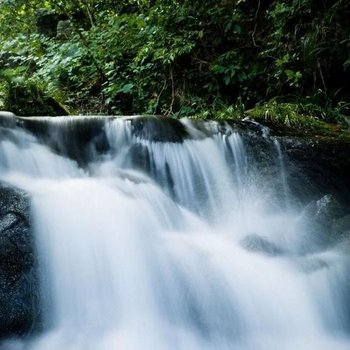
288,118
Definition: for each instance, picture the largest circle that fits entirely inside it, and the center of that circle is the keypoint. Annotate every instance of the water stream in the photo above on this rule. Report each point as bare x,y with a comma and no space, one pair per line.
172,246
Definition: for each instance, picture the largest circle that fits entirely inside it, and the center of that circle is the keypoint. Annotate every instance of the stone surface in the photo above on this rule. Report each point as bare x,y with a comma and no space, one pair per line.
341,228
325,221
29,100
159,129
319,165
325,210
19,287
7,119
67,138
139,157
312,264
259,244
47,21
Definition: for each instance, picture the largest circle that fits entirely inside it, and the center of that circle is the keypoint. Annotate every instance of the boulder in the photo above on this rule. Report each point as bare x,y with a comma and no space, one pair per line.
319,165
328,208
29,100
327,222
341,228
7,119
19,283
258,244
47,21
311,265
80,139
140,158
325,210
159,129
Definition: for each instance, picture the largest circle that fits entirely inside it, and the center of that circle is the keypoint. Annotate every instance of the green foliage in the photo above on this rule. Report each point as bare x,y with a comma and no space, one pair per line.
219,111
3,94
296,117
181,58
26,95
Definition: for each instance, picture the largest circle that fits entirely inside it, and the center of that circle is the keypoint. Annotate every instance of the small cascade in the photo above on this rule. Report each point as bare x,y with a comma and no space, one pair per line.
283,174
166,235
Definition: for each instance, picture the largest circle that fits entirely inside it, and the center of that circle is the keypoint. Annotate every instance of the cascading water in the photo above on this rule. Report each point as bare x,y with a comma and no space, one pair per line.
161,245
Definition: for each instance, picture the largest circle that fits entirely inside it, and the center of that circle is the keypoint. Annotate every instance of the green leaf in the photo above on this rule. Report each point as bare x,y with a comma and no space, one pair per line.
127,88
237,28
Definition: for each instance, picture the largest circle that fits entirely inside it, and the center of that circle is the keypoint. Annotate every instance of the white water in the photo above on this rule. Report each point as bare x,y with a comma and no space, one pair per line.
136,260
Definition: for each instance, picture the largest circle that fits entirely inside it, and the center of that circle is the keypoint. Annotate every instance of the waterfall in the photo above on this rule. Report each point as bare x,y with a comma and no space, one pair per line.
148,243
285,188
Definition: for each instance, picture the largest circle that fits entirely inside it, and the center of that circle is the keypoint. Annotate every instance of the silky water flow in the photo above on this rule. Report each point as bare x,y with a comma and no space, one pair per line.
153,251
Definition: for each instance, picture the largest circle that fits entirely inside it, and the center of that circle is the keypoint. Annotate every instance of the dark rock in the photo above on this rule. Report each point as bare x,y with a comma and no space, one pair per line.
19,285
77,138
258,244
319,165
139,157
29,100
341,228
328,208
7,119
159,129
313,265
319,216
47,21
324,210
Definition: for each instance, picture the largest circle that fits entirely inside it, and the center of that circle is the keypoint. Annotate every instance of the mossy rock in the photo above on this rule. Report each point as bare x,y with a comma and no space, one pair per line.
289,118
31,101
47,21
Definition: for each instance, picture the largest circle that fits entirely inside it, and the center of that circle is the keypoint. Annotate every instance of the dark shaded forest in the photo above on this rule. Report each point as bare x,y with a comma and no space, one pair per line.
207,58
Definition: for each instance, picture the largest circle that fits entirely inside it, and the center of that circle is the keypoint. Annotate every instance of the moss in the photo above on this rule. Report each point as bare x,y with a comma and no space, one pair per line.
4,92
233,113
26,96
294,119
28,100
289,117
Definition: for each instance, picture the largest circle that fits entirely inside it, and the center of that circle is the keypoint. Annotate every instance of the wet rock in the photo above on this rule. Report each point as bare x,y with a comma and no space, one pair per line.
159,129
78,138
341,228
19,286
7,119
319,216
139,157
258,244
319,165
313,265
325,209
328,208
